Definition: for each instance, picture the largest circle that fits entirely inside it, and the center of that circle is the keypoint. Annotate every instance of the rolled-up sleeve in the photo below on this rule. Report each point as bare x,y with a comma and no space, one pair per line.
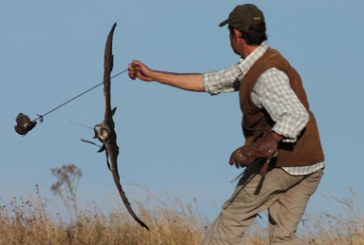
222,81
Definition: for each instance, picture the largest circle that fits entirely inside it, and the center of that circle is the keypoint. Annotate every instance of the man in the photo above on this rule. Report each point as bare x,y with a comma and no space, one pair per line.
282,152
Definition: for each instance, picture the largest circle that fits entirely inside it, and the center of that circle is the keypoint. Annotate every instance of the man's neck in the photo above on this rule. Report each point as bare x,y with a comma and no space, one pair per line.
248,49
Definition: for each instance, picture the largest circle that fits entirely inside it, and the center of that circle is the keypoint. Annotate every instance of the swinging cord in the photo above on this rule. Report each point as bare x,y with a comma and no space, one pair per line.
40,117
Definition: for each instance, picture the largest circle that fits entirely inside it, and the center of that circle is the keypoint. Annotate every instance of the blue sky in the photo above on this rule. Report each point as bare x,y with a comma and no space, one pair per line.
173,142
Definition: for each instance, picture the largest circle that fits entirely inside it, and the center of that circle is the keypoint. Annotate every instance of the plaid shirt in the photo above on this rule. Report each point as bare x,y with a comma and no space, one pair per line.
272,92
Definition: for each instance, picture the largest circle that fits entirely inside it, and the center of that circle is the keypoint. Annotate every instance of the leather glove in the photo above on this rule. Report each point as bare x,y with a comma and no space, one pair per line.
264,147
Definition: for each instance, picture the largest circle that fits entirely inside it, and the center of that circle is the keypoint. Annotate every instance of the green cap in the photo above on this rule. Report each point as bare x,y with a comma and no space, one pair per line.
243,16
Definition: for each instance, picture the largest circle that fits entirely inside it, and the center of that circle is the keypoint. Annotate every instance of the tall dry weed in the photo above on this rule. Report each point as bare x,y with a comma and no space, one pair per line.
345,227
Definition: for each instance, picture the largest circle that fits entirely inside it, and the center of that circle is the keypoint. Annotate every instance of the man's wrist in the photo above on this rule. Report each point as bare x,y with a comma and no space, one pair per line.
277,137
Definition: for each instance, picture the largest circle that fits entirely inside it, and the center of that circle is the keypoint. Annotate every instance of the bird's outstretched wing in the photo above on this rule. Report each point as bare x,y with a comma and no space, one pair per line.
105,131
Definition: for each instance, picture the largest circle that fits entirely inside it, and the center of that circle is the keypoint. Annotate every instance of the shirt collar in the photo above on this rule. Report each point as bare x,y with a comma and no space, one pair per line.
245,64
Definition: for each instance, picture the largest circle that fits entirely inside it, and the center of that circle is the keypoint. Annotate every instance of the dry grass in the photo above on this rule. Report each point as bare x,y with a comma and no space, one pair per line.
173,223
27,222
346,227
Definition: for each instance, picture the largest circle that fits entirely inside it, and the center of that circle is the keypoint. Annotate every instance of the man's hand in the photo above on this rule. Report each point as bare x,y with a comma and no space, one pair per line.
137,69
263,147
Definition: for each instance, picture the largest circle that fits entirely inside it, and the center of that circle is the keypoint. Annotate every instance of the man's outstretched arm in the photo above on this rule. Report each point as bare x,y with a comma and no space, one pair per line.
189,81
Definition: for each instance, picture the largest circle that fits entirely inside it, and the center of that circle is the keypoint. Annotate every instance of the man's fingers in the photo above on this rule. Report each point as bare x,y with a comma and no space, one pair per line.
131,72
135,69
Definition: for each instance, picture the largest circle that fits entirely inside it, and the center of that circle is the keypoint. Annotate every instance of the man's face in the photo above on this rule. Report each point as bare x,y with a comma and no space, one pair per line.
235,39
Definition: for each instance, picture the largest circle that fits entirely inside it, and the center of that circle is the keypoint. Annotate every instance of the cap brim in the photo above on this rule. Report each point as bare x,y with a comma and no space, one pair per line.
224,23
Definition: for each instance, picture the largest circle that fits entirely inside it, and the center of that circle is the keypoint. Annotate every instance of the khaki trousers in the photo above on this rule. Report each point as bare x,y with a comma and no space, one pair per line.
284,196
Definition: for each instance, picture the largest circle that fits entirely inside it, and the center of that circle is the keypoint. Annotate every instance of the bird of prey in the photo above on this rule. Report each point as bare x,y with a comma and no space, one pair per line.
105,131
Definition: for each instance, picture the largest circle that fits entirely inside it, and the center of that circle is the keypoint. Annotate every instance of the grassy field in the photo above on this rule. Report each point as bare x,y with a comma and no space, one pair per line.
30,222
27,222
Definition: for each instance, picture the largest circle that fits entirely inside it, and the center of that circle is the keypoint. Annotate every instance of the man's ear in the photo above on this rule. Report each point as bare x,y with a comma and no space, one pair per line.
237,33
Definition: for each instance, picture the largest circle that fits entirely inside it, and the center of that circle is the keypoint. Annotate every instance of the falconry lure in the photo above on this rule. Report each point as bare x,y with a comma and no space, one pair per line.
24,124
105,131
